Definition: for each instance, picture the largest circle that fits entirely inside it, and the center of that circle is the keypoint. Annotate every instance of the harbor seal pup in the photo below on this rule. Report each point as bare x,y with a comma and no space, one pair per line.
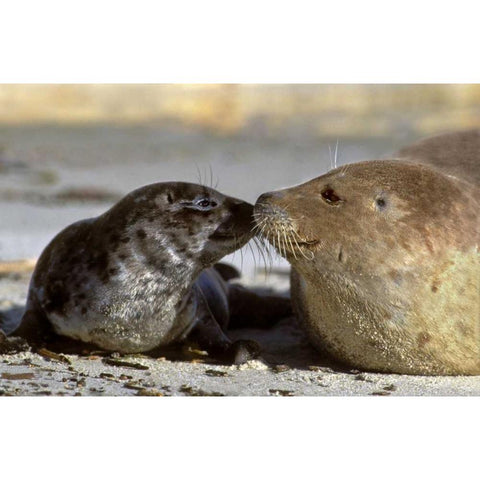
385,258
138,277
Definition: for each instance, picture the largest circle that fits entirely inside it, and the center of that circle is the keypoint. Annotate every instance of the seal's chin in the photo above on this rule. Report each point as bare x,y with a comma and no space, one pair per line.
229,240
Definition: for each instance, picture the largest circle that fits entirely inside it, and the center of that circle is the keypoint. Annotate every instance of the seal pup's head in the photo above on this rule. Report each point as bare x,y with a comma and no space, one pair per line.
368,218
177,224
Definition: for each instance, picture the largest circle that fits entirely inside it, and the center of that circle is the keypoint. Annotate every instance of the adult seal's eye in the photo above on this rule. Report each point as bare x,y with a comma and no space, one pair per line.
330,196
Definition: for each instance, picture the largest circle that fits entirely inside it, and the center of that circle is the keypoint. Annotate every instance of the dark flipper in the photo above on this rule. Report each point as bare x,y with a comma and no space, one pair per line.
34,328
212,317
227,272
208,334
249,309
10,319
13,336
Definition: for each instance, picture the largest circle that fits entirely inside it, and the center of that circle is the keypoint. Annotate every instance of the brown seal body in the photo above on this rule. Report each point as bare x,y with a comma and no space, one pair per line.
385,257
139,276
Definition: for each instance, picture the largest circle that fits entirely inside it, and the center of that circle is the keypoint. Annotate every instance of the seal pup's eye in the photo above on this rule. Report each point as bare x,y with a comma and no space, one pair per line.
205,203
329,195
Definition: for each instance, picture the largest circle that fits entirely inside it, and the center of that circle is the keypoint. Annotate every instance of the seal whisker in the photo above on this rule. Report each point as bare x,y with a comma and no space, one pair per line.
265,248
199,175
330,157
301,248
335,156
285,246
211,175
263,251
279,242
249,244
241,256
344,170
291,246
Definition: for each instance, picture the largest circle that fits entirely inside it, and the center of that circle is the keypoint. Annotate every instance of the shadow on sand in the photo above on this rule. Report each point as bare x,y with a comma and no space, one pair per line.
283,344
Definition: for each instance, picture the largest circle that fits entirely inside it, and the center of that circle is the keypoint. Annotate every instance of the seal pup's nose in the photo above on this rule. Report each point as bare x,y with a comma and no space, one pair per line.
242,208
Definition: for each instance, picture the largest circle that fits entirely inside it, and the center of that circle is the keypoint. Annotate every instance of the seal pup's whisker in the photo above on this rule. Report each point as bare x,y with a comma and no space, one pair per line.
211,175
249,244
199,175
265,248
265,254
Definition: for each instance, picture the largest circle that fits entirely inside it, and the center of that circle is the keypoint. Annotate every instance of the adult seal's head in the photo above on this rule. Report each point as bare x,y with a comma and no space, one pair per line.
386,264
135,277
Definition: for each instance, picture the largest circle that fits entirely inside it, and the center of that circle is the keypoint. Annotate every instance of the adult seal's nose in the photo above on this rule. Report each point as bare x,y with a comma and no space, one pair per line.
268,197
266,202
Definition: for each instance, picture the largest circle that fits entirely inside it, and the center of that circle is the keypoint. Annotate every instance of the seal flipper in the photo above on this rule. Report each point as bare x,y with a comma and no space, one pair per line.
208,334
32,330
227,272
34,327
212,318
249,309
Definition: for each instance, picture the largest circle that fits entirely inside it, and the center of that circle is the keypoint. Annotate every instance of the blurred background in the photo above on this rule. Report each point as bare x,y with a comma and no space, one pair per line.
68,152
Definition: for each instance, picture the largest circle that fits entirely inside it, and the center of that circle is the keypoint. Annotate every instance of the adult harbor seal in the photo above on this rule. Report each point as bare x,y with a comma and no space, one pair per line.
385,257
139,277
